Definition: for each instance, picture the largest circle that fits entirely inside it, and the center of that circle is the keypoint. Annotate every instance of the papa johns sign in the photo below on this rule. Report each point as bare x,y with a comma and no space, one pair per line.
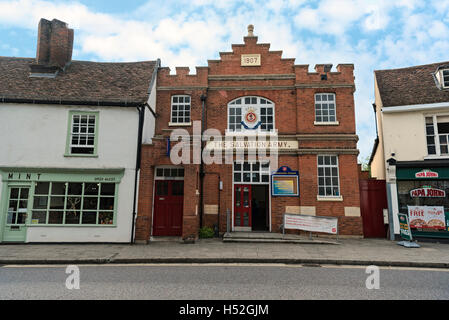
427,192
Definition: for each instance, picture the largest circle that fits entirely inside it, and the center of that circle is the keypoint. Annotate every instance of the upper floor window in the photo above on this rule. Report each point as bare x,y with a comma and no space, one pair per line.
437,134
443,78
83,133
251,113
180,109
325,107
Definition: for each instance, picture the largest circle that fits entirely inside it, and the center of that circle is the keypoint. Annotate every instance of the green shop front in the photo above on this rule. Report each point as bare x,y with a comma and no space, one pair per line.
58,202
423,194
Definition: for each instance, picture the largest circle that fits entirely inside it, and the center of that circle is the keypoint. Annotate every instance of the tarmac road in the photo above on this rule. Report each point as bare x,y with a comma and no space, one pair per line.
221,281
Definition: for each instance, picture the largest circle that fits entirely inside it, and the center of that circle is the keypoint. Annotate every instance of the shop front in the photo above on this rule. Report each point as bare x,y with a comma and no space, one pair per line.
423,196
60,205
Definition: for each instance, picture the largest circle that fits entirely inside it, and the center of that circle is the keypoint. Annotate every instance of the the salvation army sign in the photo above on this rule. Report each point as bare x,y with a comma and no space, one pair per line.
426,217
426,174
311,223
427,192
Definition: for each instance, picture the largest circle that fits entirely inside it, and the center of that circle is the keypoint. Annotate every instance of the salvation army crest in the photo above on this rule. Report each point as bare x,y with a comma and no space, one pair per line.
251,119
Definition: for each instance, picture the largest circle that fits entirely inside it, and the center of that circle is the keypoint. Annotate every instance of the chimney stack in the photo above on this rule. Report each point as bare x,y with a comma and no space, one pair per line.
54,43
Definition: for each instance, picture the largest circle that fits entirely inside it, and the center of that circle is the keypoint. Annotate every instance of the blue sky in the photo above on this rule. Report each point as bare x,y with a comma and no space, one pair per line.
370,34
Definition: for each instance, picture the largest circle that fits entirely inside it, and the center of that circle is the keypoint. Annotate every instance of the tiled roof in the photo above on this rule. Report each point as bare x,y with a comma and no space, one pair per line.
409,86
82,81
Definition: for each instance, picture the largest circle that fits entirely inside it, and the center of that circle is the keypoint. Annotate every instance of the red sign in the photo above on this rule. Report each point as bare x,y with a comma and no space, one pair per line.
426,174
427,192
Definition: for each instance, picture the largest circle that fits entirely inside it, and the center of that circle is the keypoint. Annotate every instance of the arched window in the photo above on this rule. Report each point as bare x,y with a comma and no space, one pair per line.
251,113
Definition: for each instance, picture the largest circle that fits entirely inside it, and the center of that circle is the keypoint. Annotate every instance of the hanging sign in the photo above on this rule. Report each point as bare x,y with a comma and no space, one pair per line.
285,182
426,173
427,192
427,217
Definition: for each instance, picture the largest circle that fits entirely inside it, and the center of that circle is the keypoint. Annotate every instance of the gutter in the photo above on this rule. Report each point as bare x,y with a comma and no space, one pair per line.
72,102
202,173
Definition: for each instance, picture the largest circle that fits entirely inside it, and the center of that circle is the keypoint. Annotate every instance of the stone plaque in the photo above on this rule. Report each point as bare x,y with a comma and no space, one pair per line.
250,60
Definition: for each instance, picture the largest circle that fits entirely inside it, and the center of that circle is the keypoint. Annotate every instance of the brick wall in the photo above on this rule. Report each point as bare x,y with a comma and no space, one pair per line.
291,88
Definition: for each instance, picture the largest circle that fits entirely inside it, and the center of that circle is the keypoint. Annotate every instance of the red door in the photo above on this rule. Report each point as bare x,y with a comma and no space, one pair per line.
373,199
242,205
168,207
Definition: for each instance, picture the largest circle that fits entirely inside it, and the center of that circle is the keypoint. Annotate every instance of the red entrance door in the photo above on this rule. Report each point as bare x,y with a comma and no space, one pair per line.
242,205
168,207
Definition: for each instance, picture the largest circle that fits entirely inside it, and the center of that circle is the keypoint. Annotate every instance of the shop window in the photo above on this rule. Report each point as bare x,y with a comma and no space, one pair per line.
437,135
251,172
83,134
325,107
250,113
180,110
68,203
328,177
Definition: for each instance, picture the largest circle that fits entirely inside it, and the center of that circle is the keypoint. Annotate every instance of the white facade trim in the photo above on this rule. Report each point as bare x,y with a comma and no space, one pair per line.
415,107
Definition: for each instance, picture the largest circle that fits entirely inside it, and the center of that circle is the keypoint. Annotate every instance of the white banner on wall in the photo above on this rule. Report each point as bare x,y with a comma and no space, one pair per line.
426,217
311,223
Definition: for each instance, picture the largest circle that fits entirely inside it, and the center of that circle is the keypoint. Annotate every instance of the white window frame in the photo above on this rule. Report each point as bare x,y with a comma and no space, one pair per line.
175,121
327,103
79,135
261,171
330,166
441,76
258,105
436,136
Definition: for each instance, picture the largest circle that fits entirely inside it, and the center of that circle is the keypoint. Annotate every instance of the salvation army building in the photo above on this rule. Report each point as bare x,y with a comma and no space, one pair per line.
250,99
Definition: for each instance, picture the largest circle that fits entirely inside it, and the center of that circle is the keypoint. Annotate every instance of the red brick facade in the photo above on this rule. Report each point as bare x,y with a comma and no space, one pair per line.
292,89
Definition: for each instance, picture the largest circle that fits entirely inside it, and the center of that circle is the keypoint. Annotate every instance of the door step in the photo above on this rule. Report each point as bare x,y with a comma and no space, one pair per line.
269,237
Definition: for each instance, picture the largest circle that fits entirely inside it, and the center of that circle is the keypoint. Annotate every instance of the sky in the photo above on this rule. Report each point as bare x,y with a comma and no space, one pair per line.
371,34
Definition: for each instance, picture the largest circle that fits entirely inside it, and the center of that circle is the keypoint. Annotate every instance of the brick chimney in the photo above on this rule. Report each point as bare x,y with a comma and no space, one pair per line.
54,46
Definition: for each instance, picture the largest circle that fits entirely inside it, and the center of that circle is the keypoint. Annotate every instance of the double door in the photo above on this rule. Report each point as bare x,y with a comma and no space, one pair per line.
168,208
242,206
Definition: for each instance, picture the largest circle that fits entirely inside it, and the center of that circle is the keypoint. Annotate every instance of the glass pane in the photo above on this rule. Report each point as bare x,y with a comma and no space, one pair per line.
162,188
40,202
256,177
14,193
89,218
24,193
23,204
91,189
55,217
11,216
245,219
73,203
90,203
443,139
21,217
58,188
106,203
237,166
42,188
159,172
431,149
108,189
39,217
429,130
72,217
246,166
57,203
237,177
105,218
443,149
246,197
75,189
237,197
265,178
256,166
247,177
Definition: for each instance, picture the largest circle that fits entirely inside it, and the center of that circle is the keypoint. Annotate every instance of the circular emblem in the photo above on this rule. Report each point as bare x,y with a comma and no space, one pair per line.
250,117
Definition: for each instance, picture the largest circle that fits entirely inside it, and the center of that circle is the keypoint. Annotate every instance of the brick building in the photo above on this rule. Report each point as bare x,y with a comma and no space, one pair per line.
250,91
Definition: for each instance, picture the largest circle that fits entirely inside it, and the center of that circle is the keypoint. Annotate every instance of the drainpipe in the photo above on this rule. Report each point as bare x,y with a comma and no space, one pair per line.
202,173
141,110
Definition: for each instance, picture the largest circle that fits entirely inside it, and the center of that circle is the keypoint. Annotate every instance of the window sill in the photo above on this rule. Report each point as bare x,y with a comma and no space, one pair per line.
329,123
81,155
321,198
173,124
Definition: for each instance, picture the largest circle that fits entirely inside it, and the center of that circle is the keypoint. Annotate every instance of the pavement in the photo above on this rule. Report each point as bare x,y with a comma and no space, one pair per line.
378,252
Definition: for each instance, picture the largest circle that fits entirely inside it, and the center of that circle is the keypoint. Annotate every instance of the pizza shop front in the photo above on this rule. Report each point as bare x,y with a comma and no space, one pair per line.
423,194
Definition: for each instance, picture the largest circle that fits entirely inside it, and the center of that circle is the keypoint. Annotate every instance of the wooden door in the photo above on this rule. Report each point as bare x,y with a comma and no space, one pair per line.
242,205
373,200
168,208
